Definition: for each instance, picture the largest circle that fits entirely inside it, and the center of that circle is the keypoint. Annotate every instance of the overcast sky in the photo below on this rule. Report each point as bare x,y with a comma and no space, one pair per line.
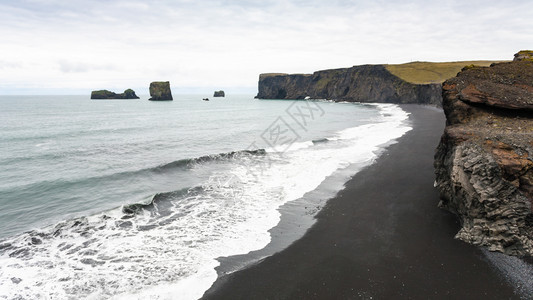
59,46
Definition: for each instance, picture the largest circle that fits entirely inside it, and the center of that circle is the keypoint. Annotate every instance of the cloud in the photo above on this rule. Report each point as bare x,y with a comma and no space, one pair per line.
201,43
80,67
5,65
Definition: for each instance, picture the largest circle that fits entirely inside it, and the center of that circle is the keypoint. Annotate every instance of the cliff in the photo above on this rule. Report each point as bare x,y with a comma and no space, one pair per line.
219,94
160,90
105,94
484,162
367,83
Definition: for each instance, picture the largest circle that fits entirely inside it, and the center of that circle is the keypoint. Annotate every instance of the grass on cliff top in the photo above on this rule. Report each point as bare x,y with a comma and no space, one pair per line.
526,52
431,72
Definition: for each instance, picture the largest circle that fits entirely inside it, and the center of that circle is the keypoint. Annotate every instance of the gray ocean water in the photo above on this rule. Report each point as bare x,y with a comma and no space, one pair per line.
135,198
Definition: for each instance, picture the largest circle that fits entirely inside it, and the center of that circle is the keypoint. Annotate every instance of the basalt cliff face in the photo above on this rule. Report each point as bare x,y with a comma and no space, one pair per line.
484,162
367,83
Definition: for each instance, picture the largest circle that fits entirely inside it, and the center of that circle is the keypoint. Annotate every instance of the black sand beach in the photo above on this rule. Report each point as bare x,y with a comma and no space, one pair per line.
382,237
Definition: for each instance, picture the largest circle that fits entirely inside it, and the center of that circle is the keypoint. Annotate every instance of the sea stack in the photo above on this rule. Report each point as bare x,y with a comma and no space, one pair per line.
484,162
105,94
160,91
219,94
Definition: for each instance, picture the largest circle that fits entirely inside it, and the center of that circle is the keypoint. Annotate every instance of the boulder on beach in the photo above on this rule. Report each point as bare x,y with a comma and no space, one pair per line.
160,90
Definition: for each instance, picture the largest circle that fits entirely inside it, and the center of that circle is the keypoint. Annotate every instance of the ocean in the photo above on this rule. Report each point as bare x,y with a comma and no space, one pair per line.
125,199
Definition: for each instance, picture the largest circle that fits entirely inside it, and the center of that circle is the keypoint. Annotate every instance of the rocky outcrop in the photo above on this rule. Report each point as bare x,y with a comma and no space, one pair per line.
160,90
219,94
105,94
523,55
367,83
484,162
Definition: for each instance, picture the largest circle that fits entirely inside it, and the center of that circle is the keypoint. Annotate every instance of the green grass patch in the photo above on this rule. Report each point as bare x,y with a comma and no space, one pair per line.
526,52
432,72
525,55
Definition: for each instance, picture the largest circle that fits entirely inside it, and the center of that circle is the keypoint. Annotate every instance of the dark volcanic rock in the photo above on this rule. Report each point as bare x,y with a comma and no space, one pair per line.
219,94
130,94
105,94
160,90
484,162
367,83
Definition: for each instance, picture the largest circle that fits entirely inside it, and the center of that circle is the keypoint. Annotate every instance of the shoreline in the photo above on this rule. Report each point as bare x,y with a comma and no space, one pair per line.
381,236
297,216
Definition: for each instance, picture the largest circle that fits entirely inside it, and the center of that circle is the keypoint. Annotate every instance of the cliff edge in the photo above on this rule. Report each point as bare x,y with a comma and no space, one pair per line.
367,83
484,162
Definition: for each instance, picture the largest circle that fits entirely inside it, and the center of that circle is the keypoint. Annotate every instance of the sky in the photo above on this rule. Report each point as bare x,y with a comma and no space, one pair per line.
76,46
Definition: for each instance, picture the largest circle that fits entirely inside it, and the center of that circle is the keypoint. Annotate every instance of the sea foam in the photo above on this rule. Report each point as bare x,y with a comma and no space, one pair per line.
171,248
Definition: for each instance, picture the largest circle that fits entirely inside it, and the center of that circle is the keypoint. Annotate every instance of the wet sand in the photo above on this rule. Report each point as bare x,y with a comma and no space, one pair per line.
382,237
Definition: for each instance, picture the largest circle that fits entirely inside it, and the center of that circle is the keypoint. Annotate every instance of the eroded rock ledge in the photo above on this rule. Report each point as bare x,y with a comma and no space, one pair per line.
484,162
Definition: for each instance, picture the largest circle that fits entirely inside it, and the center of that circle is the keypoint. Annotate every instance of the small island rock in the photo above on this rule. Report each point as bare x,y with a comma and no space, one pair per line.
160,90
105,94
219,94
